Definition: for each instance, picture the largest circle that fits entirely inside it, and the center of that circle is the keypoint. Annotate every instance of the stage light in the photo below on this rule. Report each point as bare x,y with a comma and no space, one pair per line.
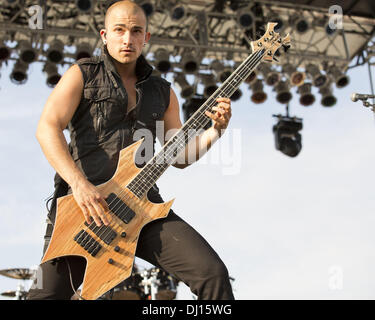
328,99
288,140
209,83
296,78
341,80
83,50
147,6
299,23
271,77
236,95
177,12
251,78
5,51
85,5
55,52
245,18
53,76
19,72
277,19
27,53
162,62
186,90
221,72
283,94
318,79
258,96
329,31
190,106
306,97
189,63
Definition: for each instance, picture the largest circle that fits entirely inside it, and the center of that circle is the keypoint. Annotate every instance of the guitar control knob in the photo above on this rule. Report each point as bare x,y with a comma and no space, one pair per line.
123,234
110,261
117,249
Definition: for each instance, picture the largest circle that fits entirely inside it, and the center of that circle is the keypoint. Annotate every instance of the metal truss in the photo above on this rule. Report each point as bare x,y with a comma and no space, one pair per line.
210,29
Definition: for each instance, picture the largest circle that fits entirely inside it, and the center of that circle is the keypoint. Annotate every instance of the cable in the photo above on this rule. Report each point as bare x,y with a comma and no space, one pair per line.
71,281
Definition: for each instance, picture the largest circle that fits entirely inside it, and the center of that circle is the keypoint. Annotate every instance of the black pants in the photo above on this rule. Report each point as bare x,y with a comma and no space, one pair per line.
170,243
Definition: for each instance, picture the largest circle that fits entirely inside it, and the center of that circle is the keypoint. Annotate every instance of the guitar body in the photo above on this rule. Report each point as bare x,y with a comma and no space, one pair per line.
113,263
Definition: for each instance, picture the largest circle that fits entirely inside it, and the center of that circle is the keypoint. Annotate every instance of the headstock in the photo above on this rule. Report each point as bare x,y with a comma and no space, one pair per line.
271,41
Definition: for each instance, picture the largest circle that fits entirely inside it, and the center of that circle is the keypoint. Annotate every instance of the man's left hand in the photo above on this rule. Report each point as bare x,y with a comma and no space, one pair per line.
222,115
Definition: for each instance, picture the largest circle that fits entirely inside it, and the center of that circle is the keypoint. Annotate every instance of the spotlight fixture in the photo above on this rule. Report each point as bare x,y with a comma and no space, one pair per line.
190,106
271,77
236,95
328,99
55,52
19,72
306,97
27,53
251,78
296,78
341,79
186,90
329,31
283,94
85,5
209,83
273,17
318,79
189,63
177,12
288,140
258,96
221,72
162,62
4,52
299,23
83,50
53,76
147,6
245,17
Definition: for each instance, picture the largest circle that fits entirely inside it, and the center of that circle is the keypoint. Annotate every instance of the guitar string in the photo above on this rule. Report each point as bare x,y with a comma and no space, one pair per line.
253,60
103,230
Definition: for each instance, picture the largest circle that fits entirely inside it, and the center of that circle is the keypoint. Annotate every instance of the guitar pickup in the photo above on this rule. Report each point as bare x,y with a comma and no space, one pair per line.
105,233
119,208
87,242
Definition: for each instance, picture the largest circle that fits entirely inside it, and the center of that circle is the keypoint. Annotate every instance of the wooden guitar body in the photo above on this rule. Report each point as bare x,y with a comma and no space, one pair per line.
109,253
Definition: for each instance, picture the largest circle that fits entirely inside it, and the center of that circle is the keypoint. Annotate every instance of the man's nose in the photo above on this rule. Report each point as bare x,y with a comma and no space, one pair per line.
127,38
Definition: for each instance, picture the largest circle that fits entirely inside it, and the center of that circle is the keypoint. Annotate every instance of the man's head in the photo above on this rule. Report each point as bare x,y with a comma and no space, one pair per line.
125,32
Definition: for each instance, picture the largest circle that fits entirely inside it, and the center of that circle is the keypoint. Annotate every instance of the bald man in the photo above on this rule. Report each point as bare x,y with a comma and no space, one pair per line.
104,101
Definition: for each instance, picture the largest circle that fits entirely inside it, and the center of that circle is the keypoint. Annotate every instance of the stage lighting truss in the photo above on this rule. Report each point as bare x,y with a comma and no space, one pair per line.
195,33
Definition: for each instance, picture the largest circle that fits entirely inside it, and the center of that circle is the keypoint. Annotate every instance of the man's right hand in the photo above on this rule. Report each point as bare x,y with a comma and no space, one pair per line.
91,202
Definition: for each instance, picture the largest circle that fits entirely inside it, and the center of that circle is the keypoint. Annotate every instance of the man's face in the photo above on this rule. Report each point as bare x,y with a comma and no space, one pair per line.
125,34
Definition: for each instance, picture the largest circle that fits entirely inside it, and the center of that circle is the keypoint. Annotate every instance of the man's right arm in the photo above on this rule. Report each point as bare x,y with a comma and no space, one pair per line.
58,111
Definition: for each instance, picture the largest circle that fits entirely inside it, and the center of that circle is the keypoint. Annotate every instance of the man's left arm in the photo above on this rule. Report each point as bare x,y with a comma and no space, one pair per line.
197,147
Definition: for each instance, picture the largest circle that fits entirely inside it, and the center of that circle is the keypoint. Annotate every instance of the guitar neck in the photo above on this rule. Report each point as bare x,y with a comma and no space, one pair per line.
153,170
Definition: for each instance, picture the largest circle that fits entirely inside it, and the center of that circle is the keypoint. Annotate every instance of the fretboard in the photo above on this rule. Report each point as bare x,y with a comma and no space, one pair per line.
167,156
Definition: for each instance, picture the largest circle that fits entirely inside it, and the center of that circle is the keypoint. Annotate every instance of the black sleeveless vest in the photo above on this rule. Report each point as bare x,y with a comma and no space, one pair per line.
100,127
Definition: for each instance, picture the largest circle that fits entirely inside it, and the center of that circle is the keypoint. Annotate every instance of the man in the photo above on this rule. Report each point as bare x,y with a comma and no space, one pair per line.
102,100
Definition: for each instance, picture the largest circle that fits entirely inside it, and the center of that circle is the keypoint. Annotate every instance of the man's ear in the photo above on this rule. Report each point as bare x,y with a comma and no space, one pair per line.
103,34
147,37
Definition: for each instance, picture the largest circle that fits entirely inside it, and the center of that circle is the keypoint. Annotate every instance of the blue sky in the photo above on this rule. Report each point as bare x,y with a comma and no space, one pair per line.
286,228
